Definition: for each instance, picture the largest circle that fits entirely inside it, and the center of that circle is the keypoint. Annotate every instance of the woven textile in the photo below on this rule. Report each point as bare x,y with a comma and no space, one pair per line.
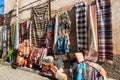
40,19
0,37
92,23
12,34
50,36
104,29
81,26
22,31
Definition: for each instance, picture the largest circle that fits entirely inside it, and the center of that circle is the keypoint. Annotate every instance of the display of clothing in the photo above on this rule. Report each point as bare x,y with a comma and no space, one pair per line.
42,36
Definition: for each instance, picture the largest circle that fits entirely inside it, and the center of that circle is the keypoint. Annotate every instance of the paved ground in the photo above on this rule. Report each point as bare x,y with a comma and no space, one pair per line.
7,73
113,70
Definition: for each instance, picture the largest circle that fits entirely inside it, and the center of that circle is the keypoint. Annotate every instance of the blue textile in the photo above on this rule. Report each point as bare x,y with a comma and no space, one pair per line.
1,6
62,45
79,71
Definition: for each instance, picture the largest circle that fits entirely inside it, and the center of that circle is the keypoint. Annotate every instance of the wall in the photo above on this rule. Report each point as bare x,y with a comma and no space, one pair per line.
116,25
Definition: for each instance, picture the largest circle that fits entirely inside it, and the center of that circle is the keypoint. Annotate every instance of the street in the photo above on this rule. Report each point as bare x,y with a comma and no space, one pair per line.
7,73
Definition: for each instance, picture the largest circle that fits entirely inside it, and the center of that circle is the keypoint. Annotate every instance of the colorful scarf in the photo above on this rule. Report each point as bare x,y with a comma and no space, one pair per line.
104,30
80,71
81,26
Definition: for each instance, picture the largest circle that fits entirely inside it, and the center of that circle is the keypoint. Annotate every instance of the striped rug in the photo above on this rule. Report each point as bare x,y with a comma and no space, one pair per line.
39,20
105,45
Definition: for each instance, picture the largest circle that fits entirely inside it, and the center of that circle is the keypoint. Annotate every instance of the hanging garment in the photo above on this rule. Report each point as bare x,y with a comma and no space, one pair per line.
92,27
23,32
92,52
16,36
50,36
4,41
8,38
62,45
39,19
81,26
64,27
104,30
12,31
56,31
30,36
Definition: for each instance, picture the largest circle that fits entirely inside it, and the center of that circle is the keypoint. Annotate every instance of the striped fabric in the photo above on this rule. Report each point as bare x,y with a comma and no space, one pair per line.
93,26
8,41
30,36
104,30
4,41
40,19
12,35
81,26
0,37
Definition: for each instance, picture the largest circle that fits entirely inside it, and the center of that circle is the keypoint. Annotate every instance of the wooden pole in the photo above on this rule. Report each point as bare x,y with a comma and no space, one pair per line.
17,24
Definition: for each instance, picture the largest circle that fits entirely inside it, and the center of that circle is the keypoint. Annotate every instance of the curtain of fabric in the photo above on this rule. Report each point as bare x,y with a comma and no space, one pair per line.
104,29
81,26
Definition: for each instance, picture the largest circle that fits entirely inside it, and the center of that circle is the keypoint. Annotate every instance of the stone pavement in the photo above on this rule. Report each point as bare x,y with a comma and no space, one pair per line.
7,73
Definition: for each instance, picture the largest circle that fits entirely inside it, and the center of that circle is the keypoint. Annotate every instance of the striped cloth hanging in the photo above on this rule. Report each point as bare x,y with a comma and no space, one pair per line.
81,26
104,30
12,35
40,20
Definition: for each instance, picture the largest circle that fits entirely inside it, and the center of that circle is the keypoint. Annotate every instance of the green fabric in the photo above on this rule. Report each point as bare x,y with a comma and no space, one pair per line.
10,55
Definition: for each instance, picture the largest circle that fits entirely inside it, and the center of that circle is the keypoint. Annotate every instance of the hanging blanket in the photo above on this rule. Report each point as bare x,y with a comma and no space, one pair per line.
104,29
40,19
12,35
81,26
